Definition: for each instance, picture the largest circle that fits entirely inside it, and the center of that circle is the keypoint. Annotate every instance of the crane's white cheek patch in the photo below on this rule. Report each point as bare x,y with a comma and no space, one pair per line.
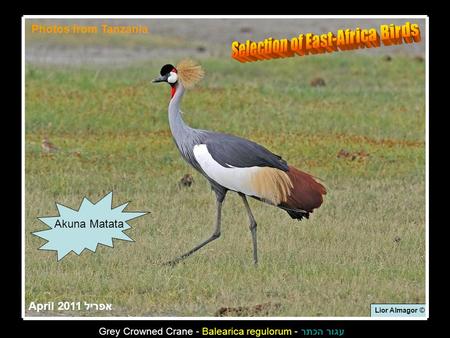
237,179
172,78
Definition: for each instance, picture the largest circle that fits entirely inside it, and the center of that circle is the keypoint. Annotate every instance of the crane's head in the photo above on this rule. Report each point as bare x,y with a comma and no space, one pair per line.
168,74
187,71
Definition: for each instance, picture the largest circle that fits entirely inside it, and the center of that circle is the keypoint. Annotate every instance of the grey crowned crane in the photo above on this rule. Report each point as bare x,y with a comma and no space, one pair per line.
231,163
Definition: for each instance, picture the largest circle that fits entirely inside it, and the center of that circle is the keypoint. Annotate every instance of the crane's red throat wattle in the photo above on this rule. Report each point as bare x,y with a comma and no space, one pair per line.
172,91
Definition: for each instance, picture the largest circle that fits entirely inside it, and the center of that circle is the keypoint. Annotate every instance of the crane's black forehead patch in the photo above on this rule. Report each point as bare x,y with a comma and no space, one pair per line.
166,69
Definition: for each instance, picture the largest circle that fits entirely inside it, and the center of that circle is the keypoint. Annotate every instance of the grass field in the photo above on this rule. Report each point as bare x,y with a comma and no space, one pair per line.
365,245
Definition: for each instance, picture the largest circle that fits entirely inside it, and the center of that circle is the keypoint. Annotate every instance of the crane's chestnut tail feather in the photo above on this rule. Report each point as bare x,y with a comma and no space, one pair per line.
306,194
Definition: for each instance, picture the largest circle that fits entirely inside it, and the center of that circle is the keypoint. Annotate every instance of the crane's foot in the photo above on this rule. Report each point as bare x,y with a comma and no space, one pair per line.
178,259
173,262
215,235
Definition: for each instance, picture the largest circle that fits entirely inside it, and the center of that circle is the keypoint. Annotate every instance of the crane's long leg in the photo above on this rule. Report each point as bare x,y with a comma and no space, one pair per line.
253,226
215,235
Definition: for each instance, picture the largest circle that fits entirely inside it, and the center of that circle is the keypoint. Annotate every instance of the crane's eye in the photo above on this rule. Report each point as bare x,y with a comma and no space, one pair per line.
173,77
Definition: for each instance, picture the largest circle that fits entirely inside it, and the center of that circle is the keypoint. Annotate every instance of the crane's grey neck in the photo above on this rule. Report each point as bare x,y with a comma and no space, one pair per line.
184,136
177,125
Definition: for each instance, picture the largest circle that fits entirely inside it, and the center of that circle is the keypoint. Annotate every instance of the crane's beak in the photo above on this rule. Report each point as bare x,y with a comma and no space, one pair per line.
162,78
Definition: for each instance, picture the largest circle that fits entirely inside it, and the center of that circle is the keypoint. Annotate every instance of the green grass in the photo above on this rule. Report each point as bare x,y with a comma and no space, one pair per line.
112,130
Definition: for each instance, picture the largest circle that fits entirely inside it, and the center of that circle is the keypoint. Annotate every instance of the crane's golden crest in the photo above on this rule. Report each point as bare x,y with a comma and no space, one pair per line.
189,72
